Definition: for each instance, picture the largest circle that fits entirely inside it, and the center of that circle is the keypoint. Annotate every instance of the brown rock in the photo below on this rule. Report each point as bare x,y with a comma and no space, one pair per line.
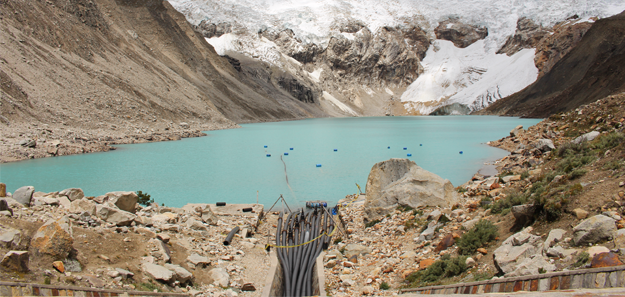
58,265
3,190
388,270
482,251
54,238
605,260
248,287
495,186
621,194
580,213
425,263
445,243
455,235
15,261
353,259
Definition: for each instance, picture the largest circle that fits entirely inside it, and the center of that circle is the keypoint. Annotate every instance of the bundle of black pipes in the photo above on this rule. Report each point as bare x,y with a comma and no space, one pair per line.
300,238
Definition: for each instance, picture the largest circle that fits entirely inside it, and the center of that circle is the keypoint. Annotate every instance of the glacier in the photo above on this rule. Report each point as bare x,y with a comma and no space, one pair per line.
474,76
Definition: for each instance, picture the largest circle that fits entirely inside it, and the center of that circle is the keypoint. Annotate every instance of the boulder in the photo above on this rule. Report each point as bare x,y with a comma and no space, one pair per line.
597,249
401,181
356,249
73,194
461,34
555,236
196,260
532,265
594,229
220,277
468,225
511,178
445,243
44,201
3,190
182,275
13,239
126,201
83,205
514,250
248,287
544,145
58,265
202,210
523,214
195,225
114,215
162,250
23,195
586,137
124,273
580,213
15,261
54,238
158,272
608,259
514,132
4,207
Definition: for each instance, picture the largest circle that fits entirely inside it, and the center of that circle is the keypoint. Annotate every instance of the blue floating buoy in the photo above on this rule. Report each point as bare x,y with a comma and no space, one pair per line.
265,146
461,152
389,147
268,155
335,150
409,155
318,165
405,148
291,148
286,154
421,144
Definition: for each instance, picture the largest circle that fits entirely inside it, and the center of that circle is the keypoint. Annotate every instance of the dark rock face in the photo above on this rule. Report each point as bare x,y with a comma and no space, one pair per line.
210,30
296,89
455,108
590,71
293,46
528,34
234,62
462,35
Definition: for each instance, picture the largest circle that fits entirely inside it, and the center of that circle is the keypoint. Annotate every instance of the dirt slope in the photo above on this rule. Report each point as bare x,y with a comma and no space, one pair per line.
96,63
592,70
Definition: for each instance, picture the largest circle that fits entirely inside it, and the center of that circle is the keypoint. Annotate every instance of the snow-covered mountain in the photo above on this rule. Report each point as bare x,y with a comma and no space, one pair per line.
384,57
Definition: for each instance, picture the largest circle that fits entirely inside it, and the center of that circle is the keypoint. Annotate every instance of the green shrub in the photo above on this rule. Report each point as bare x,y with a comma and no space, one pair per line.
582,259
443,268
370,224
148,286
384,286
404,208
613,165
482,233
608,141
144,199
511,199
338,240
577,173
525,174
461,189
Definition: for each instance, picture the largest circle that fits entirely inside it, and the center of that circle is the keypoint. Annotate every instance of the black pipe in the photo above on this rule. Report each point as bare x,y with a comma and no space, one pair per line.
220,203
231,235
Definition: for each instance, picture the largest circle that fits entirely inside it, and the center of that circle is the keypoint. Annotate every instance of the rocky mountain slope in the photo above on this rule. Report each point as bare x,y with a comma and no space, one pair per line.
109,69
590,71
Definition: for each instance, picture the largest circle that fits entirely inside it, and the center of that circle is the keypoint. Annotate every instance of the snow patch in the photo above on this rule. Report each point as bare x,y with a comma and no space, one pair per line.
472,76
338,103
315,75
387,90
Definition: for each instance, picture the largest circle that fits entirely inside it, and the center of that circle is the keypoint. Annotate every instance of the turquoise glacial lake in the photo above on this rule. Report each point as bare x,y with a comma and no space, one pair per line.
232,165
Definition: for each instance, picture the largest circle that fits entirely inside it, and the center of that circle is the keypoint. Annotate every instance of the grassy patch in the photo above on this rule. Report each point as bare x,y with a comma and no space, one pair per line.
443,268
482,233
370,224
582,259
512,198
148,286
404,208
384,286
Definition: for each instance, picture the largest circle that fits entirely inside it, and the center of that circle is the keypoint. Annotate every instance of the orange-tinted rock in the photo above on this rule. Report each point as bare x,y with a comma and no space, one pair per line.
495,186
455,235
445,243
58,265
483,251
605,260
425,263
54,238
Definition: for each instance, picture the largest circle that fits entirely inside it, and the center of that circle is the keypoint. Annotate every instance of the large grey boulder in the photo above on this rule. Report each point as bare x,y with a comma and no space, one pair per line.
73,193
544,145
594,229
13,239
158,272
586,137
182,275
403,182
83,205
114,215
514,250
126,201
554,237
220,277
196,260
24,195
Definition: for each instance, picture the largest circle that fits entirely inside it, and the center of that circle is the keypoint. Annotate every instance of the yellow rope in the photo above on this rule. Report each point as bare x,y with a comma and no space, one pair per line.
301,244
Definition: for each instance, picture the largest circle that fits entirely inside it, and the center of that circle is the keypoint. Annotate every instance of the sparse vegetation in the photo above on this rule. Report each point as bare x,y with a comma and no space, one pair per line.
443,268
582,259
482,233
338,240
384,286
371,223
404,208
148,286
144,199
